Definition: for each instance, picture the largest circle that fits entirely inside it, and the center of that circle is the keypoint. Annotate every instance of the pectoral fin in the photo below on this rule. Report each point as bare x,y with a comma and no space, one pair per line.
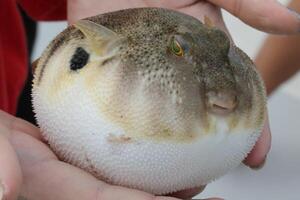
34,65
208,22
101,39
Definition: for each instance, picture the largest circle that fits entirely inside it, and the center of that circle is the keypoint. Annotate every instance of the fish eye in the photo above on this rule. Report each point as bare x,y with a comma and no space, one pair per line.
79,59
176,48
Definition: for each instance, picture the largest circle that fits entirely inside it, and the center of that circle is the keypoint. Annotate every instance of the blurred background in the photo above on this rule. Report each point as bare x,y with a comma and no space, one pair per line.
280,178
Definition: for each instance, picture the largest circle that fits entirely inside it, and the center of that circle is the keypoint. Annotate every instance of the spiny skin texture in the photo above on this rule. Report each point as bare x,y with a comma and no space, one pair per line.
152,99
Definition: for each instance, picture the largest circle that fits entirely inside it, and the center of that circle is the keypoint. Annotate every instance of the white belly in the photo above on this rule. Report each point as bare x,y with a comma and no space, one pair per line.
79,134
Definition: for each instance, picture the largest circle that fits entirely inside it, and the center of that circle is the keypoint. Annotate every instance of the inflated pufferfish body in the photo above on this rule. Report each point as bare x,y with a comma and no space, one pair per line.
148,98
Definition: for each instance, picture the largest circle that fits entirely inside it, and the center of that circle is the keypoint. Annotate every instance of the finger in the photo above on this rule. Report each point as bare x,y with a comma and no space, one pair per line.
14,124
260,14
116,192
10,172
258,155
189,193
71,183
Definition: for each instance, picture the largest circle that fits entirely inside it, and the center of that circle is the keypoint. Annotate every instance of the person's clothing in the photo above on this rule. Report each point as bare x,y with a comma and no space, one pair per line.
13,50
24,106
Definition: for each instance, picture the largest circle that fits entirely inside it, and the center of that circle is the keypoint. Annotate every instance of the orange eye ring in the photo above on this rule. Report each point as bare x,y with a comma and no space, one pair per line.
176,48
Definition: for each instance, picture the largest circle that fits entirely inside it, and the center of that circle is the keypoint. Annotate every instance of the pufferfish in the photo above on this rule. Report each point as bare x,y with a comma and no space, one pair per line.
148,98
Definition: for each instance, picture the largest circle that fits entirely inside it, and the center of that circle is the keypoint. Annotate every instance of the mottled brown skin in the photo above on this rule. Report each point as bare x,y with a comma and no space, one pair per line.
217,65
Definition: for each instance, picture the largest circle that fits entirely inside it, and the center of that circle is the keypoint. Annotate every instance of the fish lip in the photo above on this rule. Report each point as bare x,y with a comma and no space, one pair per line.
221,103
220,110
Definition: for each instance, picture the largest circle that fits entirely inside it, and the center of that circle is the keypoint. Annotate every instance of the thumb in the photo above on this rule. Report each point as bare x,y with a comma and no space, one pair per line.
10,172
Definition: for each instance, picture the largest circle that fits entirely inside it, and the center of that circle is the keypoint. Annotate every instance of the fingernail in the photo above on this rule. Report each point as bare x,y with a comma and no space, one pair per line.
294,12
297,15
260,166
1,191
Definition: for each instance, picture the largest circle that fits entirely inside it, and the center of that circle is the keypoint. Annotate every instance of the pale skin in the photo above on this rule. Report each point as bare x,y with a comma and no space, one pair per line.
275,64
28,167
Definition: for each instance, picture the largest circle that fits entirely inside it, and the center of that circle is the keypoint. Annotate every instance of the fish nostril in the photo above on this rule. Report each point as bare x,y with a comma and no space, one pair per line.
221,102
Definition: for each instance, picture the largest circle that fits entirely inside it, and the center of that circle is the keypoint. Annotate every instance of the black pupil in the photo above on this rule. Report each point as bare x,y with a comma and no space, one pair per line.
79,59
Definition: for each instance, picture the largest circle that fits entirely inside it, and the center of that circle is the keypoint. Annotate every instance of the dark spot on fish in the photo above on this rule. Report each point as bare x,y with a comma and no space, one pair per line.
79,59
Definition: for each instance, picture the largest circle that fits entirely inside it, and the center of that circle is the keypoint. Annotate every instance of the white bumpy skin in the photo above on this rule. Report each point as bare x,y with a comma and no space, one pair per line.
80,135
128,131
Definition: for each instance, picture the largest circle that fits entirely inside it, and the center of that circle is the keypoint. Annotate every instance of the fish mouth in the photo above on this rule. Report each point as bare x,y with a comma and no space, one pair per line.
221,102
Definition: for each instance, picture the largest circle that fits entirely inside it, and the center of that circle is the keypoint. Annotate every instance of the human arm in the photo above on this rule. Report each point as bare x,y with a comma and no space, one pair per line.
278,59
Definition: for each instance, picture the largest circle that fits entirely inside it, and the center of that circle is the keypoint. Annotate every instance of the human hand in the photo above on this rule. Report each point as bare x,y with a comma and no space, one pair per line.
278,58
45,177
